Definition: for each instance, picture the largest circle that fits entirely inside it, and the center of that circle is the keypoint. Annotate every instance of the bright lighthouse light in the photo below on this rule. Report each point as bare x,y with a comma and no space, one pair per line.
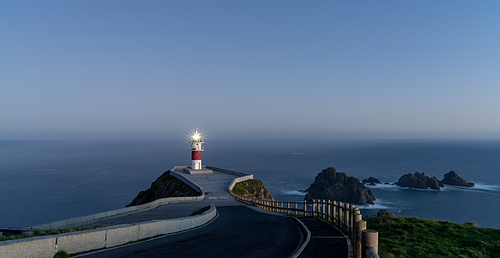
196,136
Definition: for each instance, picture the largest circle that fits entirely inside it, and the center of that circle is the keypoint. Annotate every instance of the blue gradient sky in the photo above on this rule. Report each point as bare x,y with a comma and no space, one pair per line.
155,69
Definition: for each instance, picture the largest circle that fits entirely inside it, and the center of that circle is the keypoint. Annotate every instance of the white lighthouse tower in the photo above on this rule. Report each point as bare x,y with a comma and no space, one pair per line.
196,148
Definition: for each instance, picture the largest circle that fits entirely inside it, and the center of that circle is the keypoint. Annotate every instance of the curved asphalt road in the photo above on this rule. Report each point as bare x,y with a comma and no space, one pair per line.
237,232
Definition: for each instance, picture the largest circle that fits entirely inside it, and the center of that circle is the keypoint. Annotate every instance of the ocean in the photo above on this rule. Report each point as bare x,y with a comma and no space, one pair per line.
44,181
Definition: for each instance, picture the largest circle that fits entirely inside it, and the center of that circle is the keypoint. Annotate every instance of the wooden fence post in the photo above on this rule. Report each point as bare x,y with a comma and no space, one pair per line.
334,210
370,241
354,211
305,208
296,208
340,215
324,209
360,226
314,207
346,215
329,210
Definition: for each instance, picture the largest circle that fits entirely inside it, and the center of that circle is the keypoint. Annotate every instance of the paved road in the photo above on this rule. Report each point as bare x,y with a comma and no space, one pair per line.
326,241
237,232
169,211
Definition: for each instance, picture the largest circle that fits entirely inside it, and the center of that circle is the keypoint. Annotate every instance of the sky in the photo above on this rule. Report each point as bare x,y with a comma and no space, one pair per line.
257,69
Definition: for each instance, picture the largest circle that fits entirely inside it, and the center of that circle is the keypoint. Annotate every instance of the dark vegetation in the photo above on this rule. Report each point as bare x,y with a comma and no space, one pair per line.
252,188
164,186
61,254
414,237
46,233
199,212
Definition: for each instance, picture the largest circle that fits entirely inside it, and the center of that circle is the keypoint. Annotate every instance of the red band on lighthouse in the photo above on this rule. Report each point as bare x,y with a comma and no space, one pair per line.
196,155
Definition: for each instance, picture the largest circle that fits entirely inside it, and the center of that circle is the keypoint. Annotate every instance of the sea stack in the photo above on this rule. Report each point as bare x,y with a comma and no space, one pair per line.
331,185
451,178
419,181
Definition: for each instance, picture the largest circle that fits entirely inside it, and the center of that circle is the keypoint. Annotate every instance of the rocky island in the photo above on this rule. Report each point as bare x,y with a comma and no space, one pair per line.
371,181
419,181
331,185
451,178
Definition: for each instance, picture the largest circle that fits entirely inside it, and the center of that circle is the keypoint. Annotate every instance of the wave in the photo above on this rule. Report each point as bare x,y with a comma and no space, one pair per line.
390,185
293,192
377,206
477,187
487,187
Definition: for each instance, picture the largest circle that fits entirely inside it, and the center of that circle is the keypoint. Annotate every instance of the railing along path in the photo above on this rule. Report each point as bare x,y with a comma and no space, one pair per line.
344,216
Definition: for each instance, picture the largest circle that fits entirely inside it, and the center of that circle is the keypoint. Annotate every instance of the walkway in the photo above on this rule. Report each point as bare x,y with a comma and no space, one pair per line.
215,187
326,240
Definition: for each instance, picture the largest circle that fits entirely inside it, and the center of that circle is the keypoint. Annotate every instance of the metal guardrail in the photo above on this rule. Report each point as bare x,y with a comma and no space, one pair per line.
343,215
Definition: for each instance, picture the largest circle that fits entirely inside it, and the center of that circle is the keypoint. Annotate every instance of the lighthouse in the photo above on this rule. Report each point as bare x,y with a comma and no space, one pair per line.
196,150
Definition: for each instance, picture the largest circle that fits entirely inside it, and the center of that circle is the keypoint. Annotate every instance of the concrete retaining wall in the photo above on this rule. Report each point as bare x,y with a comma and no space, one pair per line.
95,218
40,247
179,176
237,180
75,242
227,171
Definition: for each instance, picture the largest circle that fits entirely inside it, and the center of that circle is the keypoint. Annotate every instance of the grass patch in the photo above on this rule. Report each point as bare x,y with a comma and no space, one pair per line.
201,211
414,237
252,188
61,254
46,233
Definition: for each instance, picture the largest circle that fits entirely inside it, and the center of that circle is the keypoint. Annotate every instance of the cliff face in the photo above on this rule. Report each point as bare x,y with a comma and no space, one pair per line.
419,181
163,187
334,186
252,188
451,178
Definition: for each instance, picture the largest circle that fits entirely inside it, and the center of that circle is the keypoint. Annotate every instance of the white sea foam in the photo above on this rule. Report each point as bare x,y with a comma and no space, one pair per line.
478,187
487,187
391,185
377,206
293,192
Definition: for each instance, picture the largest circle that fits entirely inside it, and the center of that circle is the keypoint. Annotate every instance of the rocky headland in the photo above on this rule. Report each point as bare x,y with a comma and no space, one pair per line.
252,188
163,187
331,185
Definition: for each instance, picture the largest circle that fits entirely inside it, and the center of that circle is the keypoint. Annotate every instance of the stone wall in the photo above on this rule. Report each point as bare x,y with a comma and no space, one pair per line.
87,240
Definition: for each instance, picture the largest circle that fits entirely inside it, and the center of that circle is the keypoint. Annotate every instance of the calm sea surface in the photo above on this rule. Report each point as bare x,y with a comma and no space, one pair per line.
44,181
